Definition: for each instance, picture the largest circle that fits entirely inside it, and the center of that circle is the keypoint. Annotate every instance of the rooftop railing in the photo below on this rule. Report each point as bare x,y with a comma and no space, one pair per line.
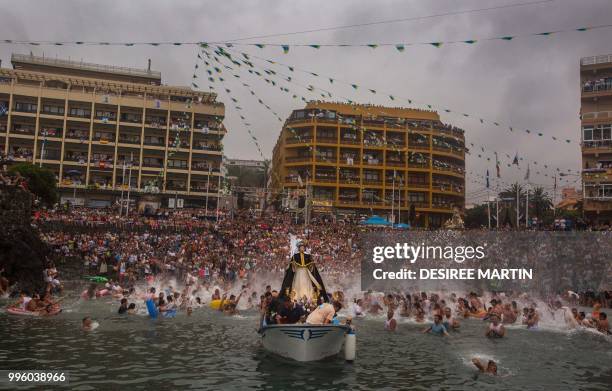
593,60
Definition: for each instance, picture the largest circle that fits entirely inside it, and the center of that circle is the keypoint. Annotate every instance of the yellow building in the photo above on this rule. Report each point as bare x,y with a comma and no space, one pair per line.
363,160
94,124
596,118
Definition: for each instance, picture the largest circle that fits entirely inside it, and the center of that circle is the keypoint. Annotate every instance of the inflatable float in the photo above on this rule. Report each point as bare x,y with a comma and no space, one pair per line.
478,315
215,304
99,279
22,312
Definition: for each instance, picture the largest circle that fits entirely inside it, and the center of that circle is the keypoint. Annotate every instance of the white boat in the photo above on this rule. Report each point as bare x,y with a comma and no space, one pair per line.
304,342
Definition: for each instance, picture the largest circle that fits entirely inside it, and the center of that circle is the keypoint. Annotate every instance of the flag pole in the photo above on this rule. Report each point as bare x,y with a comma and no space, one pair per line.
489,208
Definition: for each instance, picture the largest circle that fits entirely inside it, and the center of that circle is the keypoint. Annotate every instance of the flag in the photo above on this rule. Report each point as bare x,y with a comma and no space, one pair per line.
497,166
3,110
516,160
527,173
487,178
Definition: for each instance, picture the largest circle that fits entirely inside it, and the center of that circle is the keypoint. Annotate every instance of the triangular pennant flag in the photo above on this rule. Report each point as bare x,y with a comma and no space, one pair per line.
285,48
315,46
259,45
436,44
507,38
355,86
372,45
470,41
400,47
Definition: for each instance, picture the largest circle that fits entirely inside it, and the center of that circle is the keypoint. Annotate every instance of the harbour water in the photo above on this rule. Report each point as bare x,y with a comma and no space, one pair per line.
212,351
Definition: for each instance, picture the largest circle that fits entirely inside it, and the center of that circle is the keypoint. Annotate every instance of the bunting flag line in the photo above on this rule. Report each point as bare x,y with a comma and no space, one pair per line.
399,46
269,81
391,97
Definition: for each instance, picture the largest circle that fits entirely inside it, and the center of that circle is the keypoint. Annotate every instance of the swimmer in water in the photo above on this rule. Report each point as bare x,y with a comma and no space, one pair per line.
449,321
123,308
87,324
496,329
602,324
390,323
131,309
491,367
532,319
437,327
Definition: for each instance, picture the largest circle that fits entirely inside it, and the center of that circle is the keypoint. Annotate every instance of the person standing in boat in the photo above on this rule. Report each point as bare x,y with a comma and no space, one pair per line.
303,278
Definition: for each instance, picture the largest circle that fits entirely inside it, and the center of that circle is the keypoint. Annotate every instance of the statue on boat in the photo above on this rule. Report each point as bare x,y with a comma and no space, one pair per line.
302,279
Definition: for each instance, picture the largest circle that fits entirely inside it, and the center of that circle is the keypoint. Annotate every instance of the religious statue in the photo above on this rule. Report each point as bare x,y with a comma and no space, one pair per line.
302,279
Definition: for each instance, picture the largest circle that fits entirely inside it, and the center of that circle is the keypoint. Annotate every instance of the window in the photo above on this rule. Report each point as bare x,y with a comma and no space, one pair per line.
605,190
56,110
369,175
605,130
79,112
182,164
27,107
587,132
416,197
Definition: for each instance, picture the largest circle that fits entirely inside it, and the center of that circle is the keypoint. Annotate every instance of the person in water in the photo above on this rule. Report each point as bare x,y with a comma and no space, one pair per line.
491,367
532,318
602,323
390,323
131,309
495,329
449,321
302,276
437,327
123,307
87,324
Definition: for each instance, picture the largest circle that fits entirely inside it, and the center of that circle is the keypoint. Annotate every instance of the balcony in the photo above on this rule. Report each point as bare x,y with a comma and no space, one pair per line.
23,130
418,146
597,115
350,140
298,159
326,159
125,139
596,145
597,86
372,181
395,163
424,165
372,162
418,185
349,180
328,178
327,140
298,140
595,60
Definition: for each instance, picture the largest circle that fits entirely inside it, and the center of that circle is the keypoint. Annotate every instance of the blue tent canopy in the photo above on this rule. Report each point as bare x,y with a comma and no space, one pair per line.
402,226
376,220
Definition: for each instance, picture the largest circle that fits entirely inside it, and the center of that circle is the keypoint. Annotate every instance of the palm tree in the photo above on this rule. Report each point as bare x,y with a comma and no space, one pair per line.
540,202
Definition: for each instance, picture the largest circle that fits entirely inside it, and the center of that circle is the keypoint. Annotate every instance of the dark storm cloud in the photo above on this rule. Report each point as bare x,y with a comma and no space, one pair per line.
527,83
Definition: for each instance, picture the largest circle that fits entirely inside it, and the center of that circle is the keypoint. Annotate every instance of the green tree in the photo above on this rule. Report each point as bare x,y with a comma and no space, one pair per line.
41,181
539,202
477,217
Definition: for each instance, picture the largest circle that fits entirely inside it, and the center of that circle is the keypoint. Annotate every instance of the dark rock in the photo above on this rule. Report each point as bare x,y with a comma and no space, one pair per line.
22,252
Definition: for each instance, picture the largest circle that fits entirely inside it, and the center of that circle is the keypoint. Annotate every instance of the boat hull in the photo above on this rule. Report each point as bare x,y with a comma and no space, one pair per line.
303,342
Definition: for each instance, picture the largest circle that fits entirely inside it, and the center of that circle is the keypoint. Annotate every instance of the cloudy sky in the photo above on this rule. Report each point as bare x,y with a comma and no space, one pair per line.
527,83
